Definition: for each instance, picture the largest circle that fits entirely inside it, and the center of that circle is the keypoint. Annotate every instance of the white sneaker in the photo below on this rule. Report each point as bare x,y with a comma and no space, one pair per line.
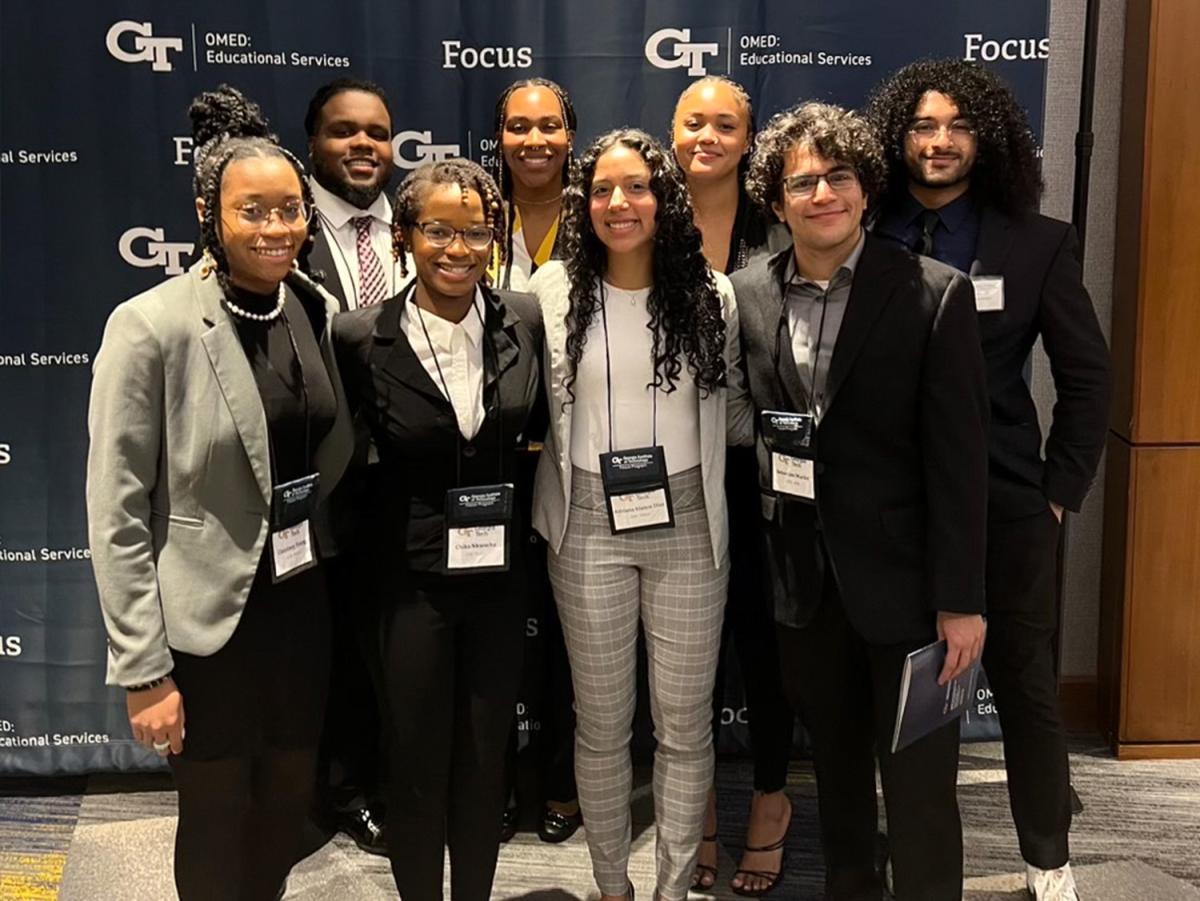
1051,885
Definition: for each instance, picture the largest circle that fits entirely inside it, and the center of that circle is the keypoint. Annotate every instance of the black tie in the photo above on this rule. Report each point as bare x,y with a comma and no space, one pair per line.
929,221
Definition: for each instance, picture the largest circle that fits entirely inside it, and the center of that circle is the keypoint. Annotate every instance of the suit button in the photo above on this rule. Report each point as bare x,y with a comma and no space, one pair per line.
819,468
469,451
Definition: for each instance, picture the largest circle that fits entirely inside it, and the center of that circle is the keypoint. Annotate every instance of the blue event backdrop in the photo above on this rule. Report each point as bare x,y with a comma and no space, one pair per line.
95,207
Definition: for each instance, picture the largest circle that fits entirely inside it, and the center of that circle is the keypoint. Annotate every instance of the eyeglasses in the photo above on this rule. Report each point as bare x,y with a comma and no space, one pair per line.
958,130
293,214
839,180
476,237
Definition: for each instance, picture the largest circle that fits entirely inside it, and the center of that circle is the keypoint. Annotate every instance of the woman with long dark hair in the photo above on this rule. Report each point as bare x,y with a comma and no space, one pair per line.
712,131
644,391
444,376
217,424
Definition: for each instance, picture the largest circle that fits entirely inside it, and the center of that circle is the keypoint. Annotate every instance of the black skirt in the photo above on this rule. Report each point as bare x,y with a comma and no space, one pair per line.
266,687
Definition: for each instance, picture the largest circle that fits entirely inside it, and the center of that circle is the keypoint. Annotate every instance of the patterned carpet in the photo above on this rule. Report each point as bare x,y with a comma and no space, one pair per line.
110,838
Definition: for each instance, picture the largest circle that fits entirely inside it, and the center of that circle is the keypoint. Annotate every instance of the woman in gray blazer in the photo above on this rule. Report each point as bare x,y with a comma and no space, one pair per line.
644,389
217,424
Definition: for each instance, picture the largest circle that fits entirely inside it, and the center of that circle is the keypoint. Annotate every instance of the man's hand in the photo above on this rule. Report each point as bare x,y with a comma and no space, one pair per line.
964,634
156,717
1057,510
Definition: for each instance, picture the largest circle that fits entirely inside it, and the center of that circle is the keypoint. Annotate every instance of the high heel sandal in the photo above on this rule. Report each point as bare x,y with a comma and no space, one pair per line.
773,877
703,870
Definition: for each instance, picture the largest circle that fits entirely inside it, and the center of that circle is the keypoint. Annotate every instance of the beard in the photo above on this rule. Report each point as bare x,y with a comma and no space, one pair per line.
334,181
916,173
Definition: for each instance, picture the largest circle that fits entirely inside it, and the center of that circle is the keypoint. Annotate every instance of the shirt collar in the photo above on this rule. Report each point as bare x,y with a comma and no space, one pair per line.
336,212
952,215
791,275
441,331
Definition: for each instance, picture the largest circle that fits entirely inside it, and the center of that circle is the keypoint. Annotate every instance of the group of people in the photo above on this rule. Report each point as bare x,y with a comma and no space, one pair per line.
761,386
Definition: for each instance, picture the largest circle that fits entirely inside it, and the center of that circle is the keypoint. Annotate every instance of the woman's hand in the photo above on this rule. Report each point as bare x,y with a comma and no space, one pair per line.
156,717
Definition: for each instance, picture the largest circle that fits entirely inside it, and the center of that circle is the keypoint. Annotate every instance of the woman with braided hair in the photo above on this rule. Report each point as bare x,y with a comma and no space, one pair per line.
217,426
445,375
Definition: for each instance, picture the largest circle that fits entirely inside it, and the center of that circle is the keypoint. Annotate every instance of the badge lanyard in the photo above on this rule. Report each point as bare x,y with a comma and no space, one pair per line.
479,517
346,263
293,503
637,493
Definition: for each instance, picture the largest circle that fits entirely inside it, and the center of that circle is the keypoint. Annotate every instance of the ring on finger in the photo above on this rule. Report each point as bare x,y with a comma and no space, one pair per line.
161,746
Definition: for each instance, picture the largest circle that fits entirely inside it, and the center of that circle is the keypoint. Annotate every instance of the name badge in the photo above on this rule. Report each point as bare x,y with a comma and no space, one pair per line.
989,293
636,491
478,529
789,438
292,506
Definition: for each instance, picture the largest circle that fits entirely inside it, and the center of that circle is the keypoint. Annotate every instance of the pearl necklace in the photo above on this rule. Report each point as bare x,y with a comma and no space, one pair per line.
257,317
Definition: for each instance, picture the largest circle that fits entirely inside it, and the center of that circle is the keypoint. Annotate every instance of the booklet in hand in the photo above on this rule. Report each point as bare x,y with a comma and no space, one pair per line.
924,705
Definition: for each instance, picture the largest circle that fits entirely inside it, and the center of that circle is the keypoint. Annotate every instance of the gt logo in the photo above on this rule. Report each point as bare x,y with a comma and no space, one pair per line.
686,53
168,254
146,47
425,151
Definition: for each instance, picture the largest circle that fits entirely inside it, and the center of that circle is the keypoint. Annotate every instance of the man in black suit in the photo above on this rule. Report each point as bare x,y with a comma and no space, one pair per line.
349,147
874,525
964,190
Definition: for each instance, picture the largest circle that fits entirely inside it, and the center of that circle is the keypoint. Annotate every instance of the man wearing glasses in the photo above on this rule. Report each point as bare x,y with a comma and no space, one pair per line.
964,190
863,362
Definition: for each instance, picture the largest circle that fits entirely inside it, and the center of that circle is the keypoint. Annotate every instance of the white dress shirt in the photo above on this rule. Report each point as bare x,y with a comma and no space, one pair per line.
337,220
457,348
631,349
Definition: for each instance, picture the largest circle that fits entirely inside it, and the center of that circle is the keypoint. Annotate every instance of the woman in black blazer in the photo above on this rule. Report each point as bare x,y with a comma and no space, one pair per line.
444,376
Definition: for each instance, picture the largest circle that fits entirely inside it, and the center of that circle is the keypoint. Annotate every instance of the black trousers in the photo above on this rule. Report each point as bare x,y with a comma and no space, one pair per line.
749,621
1019,659
350,768
453,648
846,691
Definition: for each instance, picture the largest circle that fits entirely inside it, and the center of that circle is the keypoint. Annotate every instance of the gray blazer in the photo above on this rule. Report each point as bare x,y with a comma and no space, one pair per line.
726,416
179,475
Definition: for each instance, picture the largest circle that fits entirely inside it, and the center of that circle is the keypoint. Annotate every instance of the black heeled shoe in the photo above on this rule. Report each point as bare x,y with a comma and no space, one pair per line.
557,826
508,824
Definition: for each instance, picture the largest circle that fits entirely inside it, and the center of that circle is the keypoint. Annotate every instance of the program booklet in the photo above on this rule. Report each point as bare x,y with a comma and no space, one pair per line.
924,705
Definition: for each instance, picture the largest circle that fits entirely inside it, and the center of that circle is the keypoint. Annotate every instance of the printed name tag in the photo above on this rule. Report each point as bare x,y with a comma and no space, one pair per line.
292,551
636,490
478,521
793,475
989,293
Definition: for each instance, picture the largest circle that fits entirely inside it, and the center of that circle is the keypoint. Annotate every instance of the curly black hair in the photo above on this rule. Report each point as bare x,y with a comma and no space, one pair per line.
328,91
410,196
1006,173
228,126
685,309
743,97
830,132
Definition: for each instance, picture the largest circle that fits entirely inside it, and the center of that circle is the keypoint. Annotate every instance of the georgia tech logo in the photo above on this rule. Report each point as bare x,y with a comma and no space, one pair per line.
686,53
146,47
160,252
426,152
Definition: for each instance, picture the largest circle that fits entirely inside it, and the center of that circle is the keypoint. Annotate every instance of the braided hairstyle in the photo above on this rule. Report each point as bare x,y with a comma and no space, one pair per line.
1006,173
410,197
227,126
502,174
685,309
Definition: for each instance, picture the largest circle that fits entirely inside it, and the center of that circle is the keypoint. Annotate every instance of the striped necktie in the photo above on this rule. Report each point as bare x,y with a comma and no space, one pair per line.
372,286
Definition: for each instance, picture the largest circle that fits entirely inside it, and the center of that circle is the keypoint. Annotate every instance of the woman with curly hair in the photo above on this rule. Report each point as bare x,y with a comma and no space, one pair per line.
712,133
444,376
644,390
217,422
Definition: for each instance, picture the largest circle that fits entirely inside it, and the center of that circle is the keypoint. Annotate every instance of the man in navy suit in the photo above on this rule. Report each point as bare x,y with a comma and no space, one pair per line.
964,189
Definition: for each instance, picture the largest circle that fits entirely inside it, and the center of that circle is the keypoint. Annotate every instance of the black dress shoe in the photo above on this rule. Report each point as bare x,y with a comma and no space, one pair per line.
508,823
557,827
365,826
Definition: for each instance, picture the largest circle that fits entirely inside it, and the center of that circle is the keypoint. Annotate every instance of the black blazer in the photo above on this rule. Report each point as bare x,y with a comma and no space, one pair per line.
320,260
901,448
414,429
1043,295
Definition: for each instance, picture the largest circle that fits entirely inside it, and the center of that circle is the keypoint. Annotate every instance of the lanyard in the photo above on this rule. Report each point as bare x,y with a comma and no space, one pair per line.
337,245
487,344
608,379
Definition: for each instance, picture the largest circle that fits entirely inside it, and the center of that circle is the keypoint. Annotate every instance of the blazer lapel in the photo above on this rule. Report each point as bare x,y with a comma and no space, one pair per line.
555,306
865,304
232,371
777,336
498,321
321,259
392,353
995,241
